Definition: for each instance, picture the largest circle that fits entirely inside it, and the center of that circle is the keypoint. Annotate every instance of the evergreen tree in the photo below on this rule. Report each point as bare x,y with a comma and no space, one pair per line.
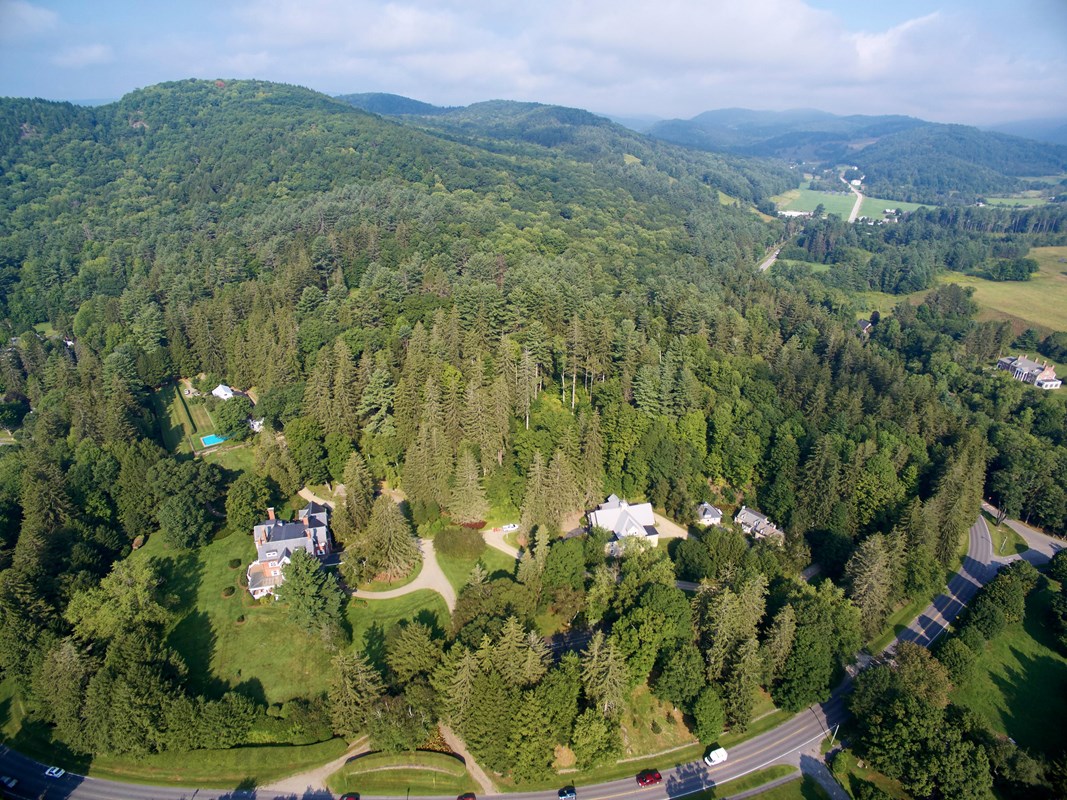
392,549
604,675
315,601
354,692
468,503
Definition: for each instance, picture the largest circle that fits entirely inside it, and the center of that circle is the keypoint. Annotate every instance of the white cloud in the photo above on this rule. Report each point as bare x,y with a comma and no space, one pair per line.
19,19
84,55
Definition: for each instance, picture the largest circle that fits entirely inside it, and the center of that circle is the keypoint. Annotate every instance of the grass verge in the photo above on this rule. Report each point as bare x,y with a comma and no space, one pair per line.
848,772
421,772
1006,542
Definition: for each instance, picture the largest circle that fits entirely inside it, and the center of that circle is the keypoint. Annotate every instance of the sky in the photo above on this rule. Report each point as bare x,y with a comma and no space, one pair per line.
970,61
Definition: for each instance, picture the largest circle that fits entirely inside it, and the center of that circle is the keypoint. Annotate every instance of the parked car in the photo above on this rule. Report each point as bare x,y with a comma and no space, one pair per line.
55,772
567,793
350,796
715,756
511,526
650,777
467,796
8,781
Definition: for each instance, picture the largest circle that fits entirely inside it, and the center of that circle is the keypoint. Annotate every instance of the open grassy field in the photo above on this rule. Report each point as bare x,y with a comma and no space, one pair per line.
1040,302
1016,201
175,424
806,200
1019,684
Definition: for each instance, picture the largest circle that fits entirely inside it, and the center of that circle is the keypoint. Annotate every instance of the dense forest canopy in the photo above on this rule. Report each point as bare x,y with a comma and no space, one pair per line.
513,307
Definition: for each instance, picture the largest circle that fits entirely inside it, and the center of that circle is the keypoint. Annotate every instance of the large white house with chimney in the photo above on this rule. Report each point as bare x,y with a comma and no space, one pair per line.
625,520
276,541
1022,368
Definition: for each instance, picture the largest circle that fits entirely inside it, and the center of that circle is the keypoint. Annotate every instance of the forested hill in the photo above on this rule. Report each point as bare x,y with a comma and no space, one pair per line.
202,161
513,127
903,158
506,312
390,105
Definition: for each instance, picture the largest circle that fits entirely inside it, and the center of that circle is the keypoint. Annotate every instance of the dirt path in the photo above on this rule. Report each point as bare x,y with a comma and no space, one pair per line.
473,767
315,780
431,577
310,496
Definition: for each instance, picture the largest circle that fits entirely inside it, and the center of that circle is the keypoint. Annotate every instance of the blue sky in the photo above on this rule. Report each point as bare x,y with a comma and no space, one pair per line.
974,61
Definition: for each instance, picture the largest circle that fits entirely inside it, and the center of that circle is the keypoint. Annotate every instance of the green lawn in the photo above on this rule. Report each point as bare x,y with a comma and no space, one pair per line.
458,570
384,586
263,652
1005,541
804,789
238,458
421,772
175,424
1019,684
846,768
1037,303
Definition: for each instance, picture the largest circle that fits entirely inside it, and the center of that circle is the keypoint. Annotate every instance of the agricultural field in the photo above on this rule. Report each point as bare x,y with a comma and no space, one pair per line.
874,207
1039,303
807,200
1019,683
1012,202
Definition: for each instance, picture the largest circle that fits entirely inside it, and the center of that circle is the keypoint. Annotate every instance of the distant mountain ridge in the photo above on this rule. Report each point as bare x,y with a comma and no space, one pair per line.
901,157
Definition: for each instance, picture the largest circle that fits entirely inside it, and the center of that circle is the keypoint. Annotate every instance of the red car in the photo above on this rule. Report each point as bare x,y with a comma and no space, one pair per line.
650,777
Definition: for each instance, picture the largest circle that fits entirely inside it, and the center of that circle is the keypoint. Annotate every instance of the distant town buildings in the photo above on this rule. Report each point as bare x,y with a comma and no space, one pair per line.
1042,375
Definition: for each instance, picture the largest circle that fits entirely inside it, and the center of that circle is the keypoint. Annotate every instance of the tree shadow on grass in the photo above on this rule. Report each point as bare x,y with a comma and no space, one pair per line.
1033,705
374,646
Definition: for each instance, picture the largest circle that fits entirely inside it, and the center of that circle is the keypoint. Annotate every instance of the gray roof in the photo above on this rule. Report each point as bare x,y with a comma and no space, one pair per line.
756,523
277,540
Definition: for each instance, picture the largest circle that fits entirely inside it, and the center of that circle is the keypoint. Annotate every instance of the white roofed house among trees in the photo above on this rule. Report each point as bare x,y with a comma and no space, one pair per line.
756,525
625,520
707,514
1042,375
276,541
223,392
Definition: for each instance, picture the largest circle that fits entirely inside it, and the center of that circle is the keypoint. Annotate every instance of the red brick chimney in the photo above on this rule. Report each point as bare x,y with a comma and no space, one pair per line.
270,514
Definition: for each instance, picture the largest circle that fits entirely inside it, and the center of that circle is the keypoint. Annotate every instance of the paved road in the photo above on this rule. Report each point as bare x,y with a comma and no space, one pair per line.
859,200
1042,546
795,735
766,265
978,568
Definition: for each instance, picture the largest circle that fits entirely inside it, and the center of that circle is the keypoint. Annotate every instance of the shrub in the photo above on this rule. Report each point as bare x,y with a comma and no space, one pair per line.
243,580
228,591
235,563
1057,567
240,619
459,543
973,638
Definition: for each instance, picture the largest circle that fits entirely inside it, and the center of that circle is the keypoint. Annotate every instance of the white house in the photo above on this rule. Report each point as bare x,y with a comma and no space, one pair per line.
624,520
1042,375
756,525
707,514
223,392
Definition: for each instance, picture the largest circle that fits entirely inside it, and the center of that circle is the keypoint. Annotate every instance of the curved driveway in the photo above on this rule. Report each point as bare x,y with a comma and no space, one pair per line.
798,733
430,577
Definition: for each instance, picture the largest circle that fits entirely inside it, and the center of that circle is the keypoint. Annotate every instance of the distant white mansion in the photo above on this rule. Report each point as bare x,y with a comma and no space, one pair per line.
625,520
276,541
1043,375
223,392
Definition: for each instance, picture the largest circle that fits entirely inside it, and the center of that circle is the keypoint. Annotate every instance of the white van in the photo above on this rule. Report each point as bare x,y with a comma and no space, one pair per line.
716,756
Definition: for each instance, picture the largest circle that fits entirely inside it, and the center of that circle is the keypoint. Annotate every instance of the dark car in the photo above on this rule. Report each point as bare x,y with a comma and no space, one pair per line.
350,796
567,793
467,796
650,777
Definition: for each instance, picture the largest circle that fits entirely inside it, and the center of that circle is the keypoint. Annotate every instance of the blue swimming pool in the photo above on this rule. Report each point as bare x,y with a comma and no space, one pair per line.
212,440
